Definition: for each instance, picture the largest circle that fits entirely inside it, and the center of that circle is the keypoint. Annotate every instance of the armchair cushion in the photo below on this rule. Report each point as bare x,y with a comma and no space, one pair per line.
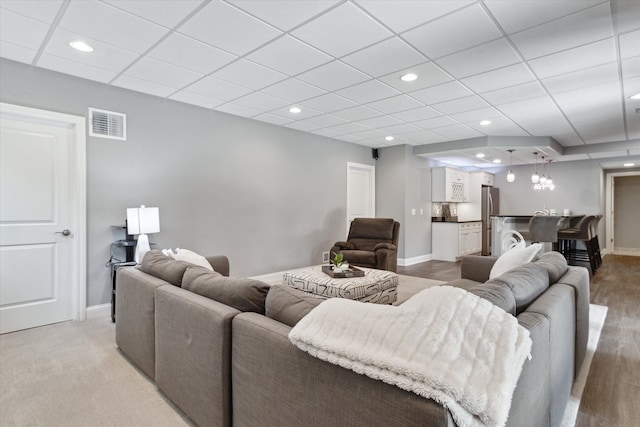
385,246
344,245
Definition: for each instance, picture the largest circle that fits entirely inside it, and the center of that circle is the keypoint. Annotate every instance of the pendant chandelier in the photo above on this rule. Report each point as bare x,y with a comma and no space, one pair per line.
510,175
545,182
535,178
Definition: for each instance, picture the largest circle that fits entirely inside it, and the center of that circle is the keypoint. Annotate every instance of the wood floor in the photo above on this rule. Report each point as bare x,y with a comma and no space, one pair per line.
611,396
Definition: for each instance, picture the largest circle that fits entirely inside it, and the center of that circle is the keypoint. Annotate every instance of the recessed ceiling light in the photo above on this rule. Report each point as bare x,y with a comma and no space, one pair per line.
81,46
480,155
497,161
485,123
295,110
636,96
388,138
628,165
409,77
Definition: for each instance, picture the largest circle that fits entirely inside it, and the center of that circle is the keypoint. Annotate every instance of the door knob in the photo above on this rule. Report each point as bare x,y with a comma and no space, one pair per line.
64,232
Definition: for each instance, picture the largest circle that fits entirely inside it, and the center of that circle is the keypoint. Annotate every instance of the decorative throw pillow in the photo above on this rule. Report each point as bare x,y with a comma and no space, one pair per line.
241,293
163,267
513,258
189,256
288,305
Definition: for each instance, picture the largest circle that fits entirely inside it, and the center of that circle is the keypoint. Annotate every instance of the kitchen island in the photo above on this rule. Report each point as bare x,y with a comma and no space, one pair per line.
452,239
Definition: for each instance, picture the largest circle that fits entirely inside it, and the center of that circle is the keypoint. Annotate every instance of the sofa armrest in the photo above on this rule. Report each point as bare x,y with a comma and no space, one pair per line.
389,246
220,263
277,385
343,245
476,267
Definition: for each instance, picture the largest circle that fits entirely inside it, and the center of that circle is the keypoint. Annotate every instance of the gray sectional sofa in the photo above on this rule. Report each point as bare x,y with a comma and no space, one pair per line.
231,363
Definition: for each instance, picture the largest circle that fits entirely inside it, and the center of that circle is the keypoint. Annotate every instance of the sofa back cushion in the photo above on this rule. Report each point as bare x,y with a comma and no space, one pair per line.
497,293
513,258
288,305
163,267
526,282
241,293
555,264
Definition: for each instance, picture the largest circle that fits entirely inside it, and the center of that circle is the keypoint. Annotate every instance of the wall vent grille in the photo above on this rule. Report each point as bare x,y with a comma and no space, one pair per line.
107,124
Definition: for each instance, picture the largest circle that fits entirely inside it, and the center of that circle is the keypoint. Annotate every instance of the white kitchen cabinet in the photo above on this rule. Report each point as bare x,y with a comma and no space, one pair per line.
451,240
471,210
449,185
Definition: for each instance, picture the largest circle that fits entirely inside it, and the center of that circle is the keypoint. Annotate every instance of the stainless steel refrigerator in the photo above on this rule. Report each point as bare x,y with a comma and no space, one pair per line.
490,206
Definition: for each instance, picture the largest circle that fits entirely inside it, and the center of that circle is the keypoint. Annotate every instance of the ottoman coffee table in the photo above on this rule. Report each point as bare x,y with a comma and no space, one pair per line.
376,286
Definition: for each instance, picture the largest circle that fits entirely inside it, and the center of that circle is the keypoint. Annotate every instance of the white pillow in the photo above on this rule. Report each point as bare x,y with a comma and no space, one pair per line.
189,256
513,258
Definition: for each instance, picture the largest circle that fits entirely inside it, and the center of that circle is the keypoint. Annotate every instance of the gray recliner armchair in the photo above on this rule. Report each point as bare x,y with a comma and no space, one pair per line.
372,243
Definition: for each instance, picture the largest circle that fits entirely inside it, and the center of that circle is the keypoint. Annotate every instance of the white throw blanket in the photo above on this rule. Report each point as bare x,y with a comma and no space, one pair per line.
443,343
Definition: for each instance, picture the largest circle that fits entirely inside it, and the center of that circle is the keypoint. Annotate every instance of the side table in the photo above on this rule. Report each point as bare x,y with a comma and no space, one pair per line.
114,269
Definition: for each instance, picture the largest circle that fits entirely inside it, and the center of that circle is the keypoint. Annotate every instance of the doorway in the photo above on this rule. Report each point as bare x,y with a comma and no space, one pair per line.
623,235
42,218
361,191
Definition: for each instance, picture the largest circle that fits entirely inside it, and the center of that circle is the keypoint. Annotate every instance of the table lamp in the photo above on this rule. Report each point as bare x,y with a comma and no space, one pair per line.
142,221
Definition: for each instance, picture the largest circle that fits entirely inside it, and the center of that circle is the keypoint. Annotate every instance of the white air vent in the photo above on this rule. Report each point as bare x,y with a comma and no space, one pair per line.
107,124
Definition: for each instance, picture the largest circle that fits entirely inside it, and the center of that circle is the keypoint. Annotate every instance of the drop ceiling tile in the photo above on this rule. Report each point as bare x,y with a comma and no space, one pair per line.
294,90
514,93
478,29
368,91
304,114
272,118
631,67
289,56
504,77
395,104
356,113
436,122
487,113
499,126
17,53
217,89
516,16
349,128
385,57
420,113
538,116
144,86
248,74
440,93
348,138
370,134
328,103
582,78
238,110
98,20
425,137
586,56
401,129
296,13
36,9
261,101
460,105
190,53
595,133
22,31
221,25
325,120
429,74
328,132
162,73
106,56
380,122
565,33
85,71
479,59
333,76
577,104
196,99
608,154
457,132
169,14
401,15
342,30
630,44
303,126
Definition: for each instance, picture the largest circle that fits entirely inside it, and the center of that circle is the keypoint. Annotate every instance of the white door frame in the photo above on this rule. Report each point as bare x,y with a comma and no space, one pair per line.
609,206
79,221
372,176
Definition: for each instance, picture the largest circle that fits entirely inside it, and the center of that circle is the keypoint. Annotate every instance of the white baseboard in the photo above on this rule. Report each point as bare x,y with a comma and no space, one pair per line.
98,311
627,251
415,260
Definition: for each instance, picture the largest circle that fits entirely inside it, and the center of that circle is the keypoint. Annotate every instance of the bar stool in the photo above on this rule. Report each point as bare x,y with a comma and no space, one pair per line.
594,238
544,229
582,232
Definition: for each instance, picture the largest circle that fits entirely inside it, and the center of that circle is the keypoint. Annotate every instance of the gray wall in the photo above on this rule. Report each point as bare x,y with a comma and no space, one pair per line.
403,183
269,197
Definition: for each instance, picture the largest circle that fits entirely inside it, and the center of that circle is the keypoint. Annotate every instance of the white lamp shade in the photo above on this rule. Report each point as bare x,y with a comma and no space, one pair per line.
511,176
143,220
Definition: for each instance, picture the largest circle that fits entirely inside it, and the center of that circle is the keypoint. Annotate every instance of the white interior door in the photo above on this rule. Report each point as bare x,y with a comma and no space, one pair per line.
39,228
361,190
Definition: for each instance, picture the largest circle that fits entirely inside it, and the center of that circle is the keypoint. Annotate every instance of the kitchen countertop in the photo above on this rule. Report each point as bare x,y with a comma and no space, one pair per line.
455,221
